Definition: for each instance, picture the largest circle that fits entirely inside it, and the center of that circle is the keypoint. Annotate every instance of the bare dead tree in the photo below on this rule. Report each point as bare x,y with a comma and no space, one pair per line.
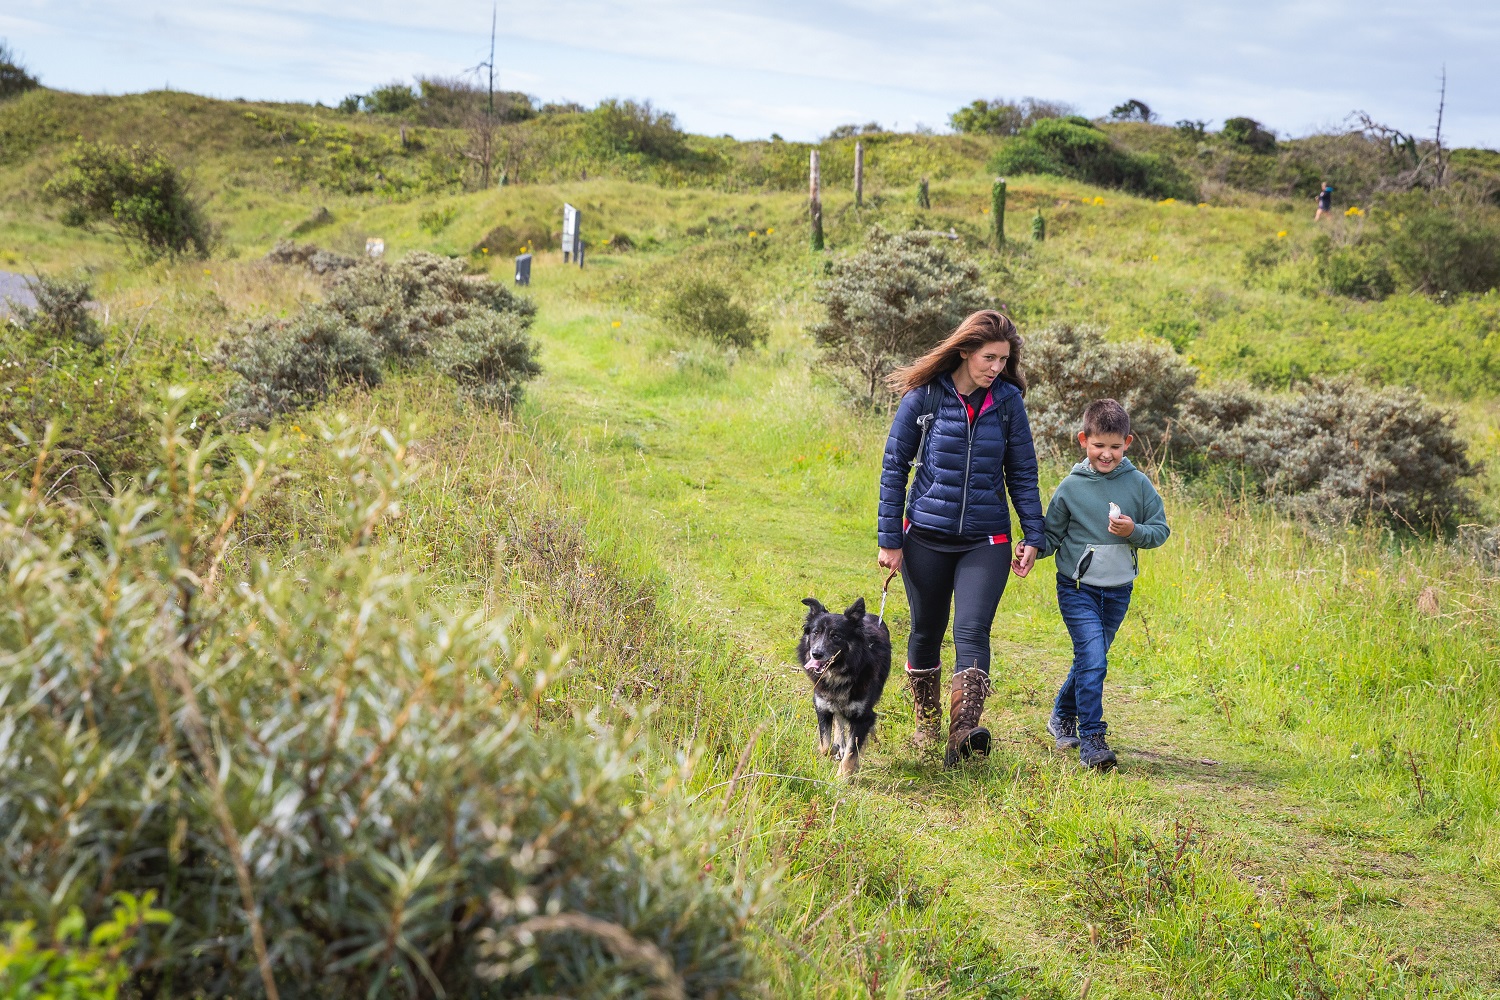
1441,159
480,149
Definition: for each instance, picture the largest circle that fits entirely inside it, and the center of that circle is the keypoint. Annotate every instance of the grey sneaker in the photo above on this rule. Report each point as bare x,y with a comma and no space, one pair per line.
1065,729
1095,753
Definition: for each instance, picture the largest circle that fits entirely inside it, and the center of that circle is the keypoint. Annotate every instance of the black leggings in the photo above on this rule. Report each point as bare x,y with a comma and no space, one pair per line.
973,580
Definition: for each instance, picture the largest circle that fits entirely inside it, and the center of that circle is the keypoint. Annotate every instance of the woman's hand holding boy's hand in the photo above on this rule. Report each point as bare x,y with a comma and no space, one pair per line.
1024,560
1122,526
890,559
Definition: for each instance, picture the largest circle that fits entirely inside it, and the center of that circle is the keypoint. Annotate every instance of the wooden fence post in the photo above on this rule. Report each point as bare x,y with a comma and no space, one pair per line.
859,175
815,201
997,209
923,200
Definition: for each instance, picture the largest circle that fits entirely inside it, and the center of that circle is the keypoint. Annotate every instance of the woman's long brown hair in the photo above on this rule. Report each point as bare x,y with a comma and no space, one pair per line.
984,327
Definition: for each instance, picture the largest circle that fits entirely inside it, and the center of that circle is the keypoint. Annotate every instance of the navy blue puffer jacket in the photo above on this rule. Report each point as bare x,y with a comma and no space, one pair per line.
966,471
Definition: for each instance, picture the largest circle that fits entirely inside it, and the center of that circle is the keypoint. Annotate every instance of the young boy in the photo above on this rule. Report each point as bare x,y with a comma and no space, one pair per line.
1102,513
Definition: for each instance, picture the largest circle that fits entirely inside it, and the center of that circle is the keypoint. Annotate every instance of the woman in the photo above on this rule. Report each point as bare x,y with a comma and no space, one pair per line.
950,536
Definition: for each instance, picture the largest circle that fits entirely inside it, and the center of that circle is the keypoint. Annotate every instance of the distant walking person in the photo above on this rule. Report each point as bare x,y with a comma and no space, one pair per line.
962,433
1325,202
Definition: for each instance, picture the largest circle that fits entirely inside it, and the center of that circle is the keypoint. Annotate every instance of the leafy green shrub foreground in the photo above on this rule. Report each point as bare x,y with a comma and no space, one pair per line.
335,784
1332,450
378,312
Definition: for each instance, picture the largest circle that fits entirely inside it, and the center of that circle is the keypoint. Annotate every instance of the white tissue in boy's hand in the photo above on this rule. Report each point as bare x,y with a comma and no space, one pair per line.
1114,509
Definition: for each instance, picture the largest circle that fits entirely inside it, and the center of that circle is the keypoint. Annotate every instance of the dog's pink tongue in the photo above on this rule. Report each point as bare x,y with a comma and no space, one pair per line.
811,665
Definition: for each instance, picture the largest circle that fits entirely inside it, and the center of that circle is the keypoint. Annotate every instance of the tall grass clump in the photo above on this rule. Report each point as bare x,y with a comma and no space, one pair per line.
335,783
137,193
889,302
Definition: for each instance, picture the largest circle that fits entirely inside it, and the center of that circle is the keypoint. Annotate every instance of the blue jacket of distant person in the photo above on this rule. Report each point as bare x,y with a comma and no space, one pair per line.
970,462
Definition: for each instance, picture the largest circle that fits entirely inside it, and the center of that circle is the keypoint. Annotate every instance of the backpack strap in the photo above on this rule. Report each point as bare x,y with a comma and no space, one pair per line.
934,401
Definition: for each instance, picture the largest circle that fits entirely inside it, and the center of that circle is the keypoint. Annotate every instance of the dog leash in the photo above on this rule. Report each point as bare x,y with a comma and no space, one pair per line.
884,593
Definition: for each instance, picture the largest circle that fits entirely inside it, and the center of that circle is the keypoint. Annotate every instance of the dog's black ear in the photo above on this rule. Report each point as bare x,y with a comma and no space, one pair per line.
856,610
814,606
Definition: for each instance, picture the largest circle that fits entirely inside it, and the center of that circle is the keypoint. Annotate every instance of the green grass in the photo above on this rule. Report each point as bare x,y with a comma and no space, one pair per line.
1307,795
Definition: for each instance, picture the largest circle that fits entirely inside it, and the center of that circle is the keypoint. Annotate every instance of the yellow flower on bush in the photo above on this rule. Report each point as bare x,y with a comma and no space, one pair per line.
484,249
1353,210
753,234
1281,235
1098,200
615,323
1167,201
1202,204
770,231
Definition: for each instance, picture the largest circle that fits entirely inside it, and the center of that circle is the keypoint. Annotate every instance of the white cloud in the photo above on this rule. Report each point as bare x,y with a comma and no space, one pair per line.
801,67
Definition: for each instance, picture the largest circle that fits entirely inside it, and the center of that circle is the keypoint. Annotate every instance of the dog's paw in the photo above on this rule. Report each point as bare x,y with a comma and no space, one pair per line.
849,765
836,751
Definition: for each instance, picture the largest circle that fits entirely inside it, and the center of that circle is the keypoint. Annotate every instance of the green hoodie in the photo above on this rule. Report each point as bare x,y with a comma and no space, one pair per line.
1078,524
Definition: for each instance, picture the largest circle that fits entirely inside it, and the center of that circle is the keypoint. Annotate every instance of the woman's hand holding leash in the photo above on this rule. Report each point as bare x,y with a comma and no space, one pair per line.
891,559
1024,560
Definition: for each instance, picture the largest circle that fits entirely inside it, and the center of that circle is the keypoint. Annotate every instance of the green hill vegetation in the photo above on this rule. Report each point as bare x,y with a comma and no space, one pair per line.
475,680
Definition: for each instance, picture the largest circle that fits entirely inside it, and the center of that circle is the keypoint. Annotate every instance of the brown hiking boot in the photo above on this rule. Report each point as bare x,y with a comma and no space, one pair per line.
927,696
966,737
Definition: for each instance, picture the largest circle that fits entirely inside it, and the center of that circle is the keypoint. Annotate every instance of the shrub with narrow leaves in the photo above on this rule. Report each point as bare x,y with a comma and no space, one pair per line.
333,781
408,305
1070,366
1336,450
490,357
288,364
379,312
890,302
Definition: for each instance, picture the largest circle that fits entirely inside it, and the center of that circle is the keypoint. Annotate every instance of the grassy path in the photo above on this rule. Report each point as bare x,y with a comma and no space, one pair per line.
749,488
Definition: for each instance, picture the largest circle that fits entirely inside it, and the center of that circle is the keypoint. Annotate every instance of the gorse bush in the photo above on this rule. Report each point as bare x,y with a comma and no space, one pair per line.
334,782
1337,450
134,191
1074,147
290,364
1070,366
891,301
1333,450
490,357
378,312
704,308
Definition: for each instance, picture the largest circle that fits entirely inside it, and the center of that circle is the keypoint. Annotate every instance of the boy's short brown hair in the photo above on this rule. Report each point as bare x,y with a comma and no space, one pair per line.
1105,416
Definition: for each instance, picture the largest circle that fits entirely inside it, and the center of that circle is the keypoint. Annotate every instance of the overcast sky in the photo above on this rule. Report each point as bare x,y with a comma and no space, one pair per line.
800,67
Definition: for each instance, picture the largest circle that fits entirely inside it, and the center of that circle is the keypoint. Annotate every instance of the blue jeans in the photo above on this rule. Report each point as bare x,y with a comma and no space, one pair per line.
1093,616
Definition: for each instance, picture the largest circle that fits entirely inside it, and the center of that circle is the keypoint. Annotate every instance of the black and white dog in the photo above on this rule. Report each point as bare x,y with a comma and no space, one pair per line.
848,658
